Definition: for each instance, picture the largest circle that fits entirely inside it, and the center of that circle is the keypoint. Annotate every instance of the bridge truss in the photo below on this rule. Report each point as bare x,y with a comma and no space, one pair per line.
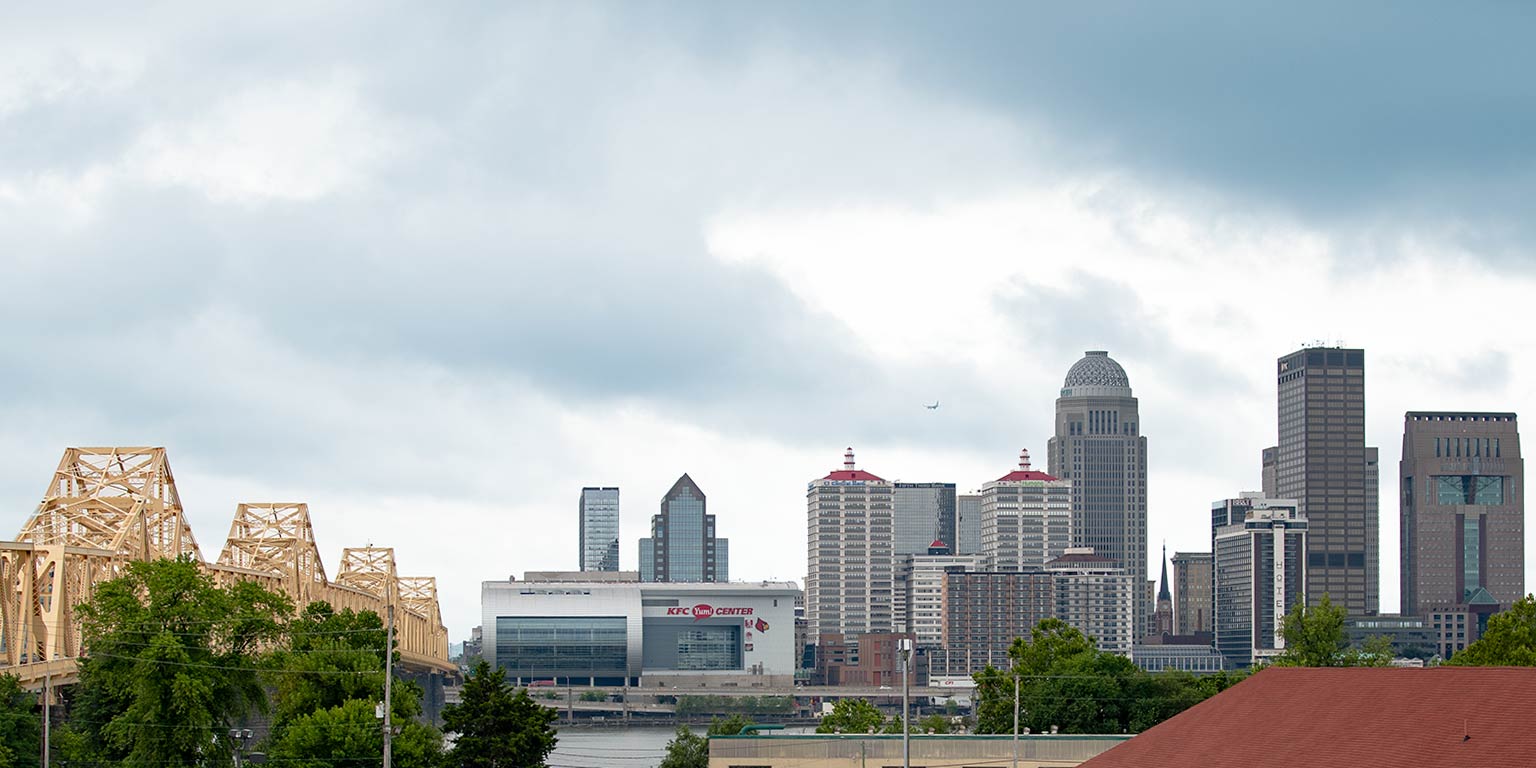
107,507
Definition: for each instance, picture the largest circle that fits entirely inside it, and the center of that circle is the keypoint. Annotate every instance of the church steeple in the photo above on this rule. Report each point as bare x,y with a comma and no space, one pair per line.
1163,594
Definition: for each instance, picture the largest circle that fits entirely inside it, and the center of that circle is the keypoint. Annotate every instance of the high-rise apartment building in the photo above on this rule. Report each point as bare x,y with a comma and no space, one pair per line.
1259,546
1099,448
983,612
1463,518
922,513
920,587
1192,592
682,545
851,564
1094,594
598,521
967,524
1026,519
1323,463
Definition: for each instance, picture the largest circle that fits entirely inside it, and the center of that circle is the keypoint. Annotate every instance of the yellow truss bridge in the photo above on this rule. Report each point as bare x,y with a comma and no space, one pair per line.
106,507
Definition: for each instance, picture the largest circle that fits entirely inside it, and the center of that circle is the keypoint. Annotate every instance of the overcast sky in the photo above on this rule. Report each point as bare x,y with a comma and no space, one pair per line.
433,268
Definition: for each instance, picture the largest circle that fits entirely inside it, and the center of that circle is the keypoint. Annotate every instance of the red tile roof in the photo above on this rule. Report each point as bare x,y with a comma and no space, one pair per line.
853,474
1355,717
1025,474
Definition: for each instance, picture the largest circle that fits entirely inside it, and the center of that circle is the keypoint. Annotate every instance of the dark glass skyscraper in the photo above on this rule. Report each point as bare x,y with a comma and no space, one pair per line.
1463,514
599,529
923,513
1099,447
1323,463
682,545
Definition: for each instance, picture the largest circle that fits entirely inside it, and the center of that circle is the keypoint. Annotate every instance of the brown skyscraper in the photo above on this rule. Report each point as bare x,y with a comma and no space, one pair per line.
1322,462
1463,519
1192,592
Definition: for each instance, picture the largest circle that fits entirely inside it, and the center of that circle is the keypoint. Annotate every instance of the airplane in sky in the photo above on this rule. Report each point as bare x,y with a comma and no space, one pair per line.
933,407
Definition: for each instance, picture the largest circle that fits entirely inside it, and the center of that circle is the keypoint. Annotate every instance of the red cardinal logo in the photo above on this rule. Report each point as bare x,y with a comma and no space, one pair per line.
762,626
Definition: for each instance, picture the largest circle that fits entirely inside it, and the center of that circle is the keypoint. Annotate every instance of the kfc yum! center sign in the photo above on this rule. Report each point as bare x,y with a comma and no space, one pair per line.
707,611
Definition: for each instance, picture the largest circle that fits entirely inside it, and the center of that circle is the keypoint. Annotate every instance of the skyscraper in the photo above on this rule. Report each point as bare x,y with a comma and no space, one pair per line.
1259,546
1026,519
1192,592
1099,448
1463,516
598,521
851,578
1323,463
924,512
682,545
967,524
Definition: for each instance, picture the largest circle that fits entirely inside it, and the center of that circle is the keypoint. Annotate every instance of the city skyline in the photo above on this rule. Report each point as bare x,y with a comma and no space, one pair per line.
394,265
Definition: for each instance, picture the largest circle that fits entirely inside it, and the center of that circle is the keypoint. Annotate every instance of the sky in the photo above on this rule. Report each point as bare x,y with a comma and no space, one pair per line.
432,269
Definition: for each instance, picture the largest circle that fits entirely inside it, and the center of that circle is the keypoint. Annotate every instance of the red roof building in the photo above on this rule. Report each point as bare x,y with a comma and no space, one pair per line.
1285,717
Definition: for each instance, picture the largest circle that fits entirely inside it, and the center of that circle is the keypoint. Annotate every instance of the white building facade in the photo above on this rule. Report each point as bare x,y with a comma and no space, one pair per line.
850,584
1026,519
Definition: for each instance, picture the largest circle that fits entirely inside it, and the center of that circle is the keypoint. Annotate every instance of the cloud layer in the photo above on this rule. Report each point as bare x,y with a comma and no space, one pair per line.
433,271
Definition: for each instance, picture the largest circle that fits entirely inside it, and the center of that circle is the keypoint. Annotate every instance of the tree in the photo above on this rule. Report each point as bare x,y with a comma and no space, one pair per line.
933,724
729,726
349,734
329,657
852,716
329,675
496,727
686,750
20,727
1509,641
172,664
1314,636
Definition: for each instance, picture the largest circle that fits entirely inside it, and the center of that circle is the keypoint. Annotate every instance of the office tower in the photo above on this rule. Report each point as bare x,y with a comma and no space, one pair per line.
1192,592
1163,614
850,558
920,583
923,513
1259,546
599,523
1323,463
1094,594
1026,519
1269,463
682,545
968,524
1099,448
1463,516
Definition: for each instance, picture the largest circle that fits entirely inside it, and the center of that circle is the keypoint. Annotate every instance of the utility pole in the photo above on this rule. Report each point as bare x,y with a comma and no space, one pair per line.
47,694
389,680
1015,719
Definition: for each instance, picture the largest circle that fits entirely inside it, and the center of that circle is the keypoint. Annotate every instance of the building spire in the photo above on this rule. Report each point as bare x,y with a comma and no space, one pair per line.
848,459
1024,460
1162,594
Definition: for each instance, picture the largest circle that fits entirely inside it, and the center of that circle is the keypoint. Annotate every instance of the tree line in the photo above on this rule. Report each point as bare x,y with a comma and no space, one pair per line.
177,662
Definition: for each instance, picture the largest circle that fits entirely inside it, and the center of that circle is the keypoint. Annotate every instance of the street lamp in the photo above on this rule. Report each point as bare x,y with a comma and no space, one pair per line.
906,690
241,738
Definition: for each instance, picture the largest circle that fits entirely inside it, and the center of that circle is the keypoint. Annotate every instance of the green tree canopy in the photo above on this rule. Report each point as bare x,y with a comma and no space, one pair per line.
1315,637
331,657
852,716
20,726
729,726
1510,640
1065,681
686,750
497,727
172,664
350,734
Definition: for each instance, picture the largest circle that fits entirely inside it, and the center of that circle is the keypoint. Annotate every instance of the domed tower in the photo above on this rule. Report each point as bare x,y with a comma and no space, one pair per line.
1099,447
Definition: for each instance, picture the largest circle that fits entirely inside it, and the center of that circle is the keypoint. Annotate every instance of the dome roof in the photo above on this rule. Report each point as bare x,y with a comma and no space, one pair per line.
1096,374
